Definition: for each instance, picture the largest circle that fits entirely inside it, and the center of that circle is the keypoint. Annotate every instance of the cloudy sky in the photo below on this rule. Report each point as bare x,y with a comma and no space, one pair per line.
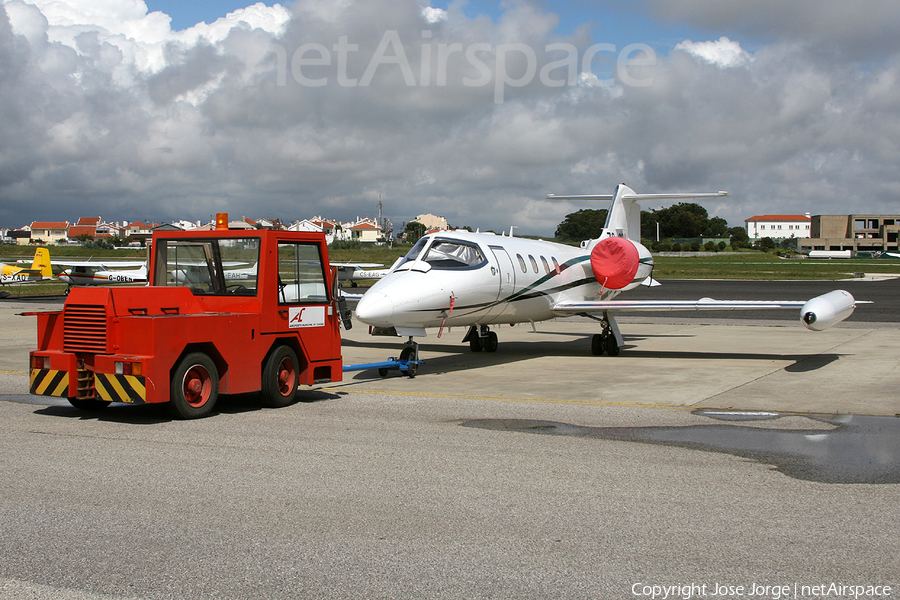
472,110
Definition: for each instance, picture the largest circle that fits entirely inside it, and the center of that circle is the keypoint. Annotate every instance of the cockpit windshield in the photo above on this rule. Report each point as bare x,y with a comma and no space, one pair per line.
447,254
444,254
414,252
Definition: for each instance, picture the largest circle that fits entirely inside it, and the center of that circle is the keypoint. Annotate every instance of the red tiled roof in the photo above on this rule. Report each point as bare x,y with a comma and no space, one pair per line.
49,225
88,221
778,218
76,230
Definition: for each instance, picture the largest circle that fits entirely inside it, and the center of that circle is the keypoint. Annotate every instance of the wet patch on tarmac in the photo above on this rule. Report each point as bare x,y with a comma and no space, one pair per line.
858,449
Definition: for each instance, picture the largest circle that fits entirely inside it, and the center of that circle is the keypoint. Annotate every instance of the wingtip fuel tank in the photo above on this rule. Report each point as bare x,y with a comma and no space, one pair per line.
826,310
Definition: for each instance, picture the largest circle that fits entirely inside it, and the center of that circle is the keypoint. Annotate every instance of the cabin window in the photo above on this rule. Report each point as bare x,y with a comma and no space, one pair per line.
522,263
546,266
555,265
533,263
446,254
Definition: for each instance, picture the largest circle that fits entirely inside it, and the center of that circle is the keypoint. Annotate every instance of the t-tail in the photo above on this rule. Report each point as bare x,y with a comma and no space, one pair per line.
618,259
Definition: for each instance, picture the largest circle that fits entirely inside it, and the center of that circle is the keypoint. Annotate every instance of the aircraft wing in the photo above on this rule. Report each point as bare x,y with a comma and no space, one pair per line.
115,264
569,308
817,313
356,265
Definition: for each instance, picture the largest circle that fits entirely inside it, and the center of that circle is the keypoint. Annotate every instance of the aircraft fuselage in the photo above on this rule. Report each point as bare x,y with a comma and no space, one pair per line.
461,278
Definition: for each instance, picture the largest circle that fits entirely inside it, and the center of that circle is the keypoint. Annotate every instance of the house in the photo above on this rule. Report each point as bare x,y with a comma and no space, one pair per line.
365,231
76,231
49,232
778,226
138,231
305,225
432,222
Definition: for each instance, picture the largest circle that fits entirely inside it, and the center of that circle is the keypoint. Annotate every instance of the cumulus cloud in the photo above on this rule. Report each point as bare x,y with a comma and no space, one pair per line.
722,52
324,106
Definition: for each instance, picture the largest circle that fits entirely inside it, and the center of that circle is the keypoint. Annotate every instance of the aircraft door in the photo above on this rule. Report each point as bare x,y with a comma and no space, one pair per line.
507,272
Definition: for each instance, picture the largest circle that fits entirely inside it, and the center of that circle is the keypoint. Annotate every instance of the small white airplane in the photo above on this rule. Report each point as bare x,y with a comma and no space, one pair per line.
475,280
355,272
97,273
40,270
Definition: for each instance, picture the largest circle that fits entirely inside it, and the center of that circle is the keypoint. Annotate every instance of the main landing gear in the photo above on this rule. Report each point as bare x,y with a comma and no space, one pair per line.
609,340
480,337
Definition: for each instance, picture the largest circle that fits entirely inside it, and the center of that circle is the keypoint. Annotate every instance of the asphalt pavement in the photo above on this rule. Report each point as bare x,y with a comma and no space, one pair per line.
726,459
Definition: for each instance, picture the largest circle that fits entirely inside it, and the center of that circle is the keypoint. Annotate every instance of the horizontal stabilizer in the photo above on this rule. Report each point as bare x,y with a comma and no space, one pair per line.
639,197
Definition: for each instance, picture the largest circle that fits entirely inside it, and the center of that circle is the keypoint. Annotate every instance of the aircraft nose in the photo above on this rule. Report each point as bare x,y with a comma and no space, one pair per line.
375,308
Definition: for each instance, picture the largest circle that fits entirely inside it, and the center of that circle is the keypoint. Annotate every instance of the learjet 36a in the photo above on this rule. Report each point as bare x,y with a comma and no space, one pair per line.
476,280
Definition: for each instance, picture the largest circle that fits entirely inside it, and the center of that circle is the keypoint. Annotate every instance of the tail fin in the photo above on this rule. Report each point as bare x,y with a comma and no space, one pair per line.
41,263
624,217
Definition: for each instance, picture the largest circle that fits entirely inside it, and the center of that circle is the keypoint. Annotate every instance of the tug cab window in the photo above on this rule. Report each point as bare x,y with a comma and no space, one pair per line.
209,267
301,279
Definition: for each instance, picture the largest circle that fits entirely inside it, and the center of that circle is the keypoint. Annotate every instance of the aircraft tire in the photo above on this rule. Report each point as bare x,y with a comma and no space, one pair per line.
612,347
491,343
598,344
409,353
194,387
280,377
475,343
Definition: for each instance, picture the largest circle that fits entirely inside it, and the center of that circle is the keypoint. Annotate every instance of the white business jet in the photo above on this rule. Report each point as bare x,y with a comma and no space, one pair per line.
481,279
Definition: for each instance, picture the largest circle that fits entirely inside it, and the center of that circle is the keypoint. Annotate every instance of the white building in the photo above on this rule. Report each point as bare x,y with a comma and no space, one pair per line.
432,222
778,226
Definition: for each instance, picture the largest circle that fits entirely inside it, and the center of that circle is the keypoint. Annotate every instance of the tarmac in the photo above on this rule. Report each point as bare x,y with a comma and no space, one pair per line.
538,471
685,364
688,363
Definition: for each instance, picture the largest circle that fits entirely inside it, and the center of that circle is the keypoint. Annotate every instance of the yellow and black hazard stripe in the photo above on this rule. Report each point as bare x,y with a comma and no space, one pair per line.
49,382
120,388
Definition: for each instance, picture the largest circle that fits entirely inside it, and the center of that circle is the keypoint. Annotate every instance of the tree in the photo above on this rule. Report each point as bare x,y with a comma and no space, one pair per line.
739,237
586,224
716,227
414,230
766,244
683,220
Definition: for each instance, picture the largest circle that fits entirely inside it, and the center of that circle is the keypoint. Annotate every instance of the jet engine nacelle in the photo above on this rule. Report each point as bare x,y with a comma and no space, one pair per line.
620,264
823,311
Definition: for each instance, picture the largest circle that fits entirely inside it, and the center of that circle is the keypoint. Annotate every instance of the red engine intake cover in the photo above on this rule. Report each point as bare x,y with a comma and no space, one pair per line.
615,262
